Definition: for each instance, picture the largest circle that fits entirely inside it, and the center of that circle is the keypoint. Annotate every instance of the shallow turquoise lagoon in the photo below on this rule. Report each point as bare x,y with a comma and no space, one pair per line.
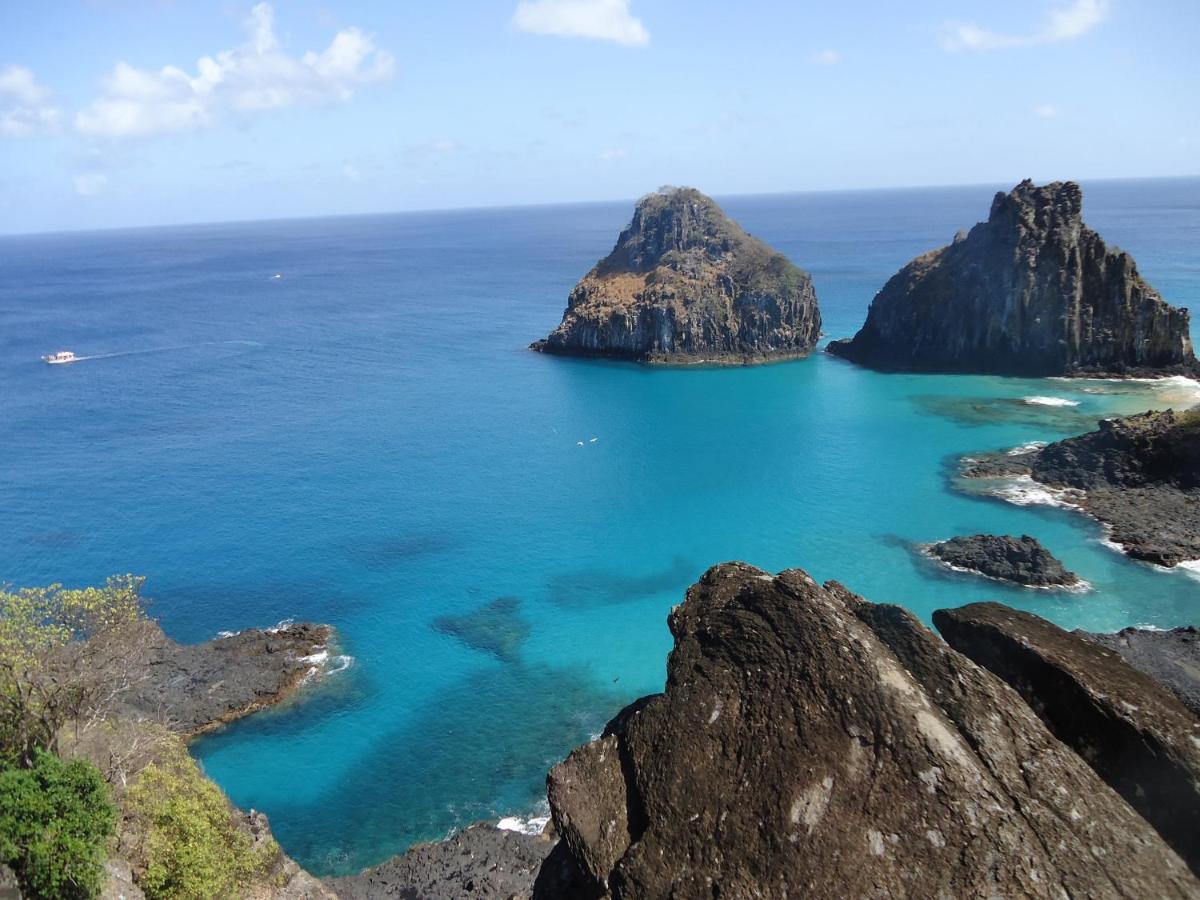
366,442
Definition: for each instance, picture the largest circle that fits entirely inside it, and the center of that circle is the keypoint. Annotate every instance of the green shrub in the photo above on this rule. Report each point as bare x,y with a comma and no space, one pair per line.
191,847
55,822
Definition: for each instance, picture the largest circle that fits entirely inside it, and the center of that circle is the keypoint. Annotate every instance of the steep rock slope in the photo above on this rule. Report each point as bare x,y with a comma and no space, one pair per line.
686,284
1031,291
809,743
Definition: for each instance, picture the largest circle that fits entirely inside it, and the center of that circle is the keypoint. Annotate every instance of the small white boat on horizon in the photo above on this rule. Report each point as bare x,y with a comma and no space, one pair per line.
59,358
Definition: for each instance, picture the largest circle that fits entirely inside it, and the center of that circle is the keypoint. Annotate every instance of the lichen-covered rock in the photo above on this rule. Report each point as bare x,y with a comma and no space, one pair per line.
1020,560
685,284
812,744
1171,657
1135,734
1031,291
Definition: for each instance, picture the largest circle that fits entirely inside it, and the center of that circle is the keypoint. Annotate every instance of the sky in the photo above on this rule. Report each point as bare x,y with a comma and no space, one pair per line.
118,113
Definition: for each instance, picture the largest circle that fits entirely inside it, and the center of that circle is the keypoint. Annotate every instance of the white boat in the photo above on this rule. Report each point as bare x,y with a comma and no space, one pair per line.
62,356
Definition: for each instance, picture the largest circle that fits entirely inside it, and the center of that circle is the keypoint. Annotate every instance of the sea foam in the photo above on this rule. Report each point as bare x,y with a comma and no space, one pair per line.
1050,401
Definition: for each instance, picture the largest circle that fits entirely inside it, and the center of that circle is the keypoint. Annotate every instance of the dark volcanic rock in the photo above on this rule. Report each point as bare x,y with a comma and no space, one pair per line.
686,284
495,628
1172,658
1020,560
810,744
480,861
198,687
1136,734
1139,475
1031,291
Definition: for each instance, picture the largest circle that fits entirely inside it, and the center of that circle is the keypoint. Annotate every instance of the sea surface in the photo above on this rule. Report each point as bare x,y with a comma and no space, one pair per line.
365,441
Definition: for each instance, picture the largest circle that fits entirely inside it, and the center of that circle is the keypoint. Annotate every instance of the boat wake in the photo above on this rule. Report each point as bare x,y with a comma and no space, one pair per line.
172,349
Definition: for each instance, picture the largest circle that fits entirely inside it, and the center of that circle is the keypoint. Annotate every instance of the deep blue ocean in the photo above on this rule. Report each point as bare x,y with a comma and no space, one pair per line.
365,441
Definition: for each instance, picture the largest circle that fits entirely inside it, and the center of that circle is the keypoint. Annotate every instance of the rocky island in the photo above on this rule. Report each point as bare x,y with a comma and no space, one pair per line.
1022,560
685,284
1032,291
1139,475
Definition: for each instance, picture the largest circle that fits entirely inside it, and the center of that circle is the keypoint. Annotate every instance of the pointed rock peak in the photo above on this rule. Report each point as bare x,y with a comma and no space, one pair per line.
673,219
1057,203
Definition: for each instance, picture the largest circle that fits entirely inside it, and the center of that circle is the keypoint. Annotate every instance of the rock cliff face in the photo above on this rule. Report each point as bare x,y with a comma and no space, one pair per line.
812,744
685,284
1134,732
1172,658
1031,291
1139,475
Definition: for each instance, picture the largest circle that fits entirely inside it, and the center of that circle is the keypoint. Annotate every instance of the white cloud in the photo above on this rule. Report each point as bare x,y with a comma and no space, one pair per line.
825,58
604,20
252,78
1045,111
25,107
613,153
1064,23
351,172
90,183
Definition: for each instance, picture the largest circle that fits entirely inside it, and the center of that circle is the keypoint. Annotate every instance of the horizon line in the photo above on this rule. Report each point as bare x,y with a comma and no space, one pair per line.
5,235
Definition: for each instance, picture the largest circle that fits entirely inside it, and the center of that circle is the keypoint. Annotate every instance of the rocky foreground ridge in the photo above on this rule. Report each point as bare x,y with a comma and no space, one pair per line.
1139,475
685,284
810,743
1032,291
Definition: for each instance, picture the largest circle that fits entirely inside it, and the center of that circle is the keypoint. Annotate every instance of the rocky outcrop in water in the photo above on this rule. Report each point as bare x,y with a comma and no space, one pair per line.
198,687
1139,475
1020,560
1170,657
685,284
1031,291
1136,735
812,744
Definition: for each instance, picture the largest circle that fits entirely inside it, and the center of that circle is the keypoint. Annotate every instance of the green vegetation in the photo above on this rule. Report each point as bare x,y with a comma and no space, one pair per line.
191,847
56,820
64,655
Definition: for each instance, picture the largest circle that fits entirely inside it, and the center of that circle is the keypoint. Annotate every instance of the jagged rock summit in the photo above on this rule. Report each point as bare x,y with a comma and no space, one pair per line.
685,284
1032,291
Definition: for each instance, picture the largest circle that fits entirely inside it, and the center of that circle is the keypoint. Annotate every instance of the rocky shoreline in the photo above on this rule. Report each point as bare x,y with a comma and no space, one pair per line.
1138,475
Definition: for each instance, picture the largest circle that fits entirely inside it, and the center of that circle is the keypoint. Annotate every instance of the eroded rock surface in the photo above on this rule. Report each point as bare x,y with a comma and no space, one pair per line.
685,284
1020,560
197,687
1170,657
812,744
1135,734
1139,475
1031,291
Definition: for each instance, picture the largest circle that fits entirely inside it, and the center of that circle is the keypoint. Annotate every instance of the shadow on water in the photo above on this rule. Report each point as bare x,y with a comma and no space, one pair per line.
389,553
590,588
496,628
979,411
478,749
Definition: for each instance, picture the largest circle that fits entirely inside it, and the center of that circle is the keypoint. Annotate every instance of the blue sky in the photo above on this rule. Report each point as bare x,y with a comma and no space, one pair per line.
121,113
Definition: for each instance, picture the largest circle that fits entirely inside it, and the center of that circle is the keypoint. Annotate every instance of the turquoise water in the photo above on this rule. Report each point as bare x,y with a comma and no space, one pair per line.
366,442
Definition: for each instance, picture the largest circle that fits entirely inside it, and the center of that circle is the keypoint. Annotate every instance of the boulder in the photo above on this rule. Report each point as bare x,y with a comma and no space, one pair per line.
1022,560
809,743
1136,735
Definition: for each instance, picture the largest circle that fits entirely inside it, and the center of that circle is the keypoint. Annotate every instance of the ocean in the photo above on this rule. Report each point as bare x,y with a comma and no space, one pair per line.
366,441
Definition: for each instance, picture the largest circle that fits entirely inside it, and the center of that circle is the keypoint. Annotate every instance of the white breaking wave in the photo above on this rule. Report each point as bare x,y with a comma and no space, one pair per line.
1051,401
1026,448
1024,491
1190,567
532,825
